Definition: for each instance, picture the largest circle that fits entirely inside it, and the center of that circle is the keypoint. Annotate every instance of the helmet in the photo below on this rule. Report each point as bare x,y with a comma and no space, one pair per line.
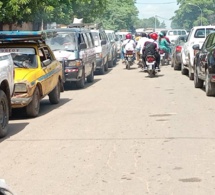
154,36
128,36
161,34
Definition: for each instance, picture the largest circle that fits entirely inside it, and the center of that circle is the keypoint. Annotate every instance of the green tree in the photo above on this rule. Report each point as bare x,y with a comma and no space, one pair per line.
193,13
119,14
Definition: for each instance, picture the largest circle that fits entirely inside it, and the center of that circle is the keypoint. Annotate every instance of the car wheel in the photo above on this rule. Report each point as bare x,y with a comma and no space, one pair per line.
209,86
102,70
106,66
54,95
90,78
184,71
81,83
191,75
33,108
4,114
198,83
110,63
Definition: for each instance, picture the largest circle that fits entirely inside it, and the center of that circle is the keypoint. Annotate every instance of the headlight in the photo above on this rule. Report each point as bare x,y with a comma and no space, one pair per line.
74,63
20,88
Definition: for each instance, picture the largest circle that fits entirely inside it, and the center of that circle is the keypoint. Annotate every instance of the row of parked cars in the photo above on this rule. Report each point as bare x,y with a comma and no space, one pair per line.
35,64
194,55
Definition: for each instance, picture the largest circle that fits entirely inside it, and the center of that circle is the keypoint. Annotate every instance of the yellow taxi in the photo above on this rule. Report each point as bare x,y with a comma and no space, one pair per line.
37,72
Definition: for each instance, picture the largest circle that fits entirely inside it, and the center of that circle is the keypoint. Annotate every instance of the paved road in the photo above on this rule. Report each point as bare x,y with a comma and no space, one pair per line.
126,134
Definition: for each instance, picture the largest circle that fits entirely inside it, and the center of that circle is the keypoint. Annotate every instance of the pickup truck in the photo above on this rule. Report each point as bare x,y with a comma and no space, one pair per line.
6,90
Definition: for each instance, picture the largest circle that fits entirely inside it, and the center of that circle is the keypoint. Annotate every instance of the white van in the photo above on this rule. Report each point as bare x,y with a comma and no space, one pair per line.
174,33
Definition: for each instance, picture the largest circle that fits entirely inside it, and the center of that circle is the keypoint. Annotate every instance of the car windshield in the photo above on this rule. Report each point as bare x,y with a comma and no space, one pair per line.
96,38
22,57
62,41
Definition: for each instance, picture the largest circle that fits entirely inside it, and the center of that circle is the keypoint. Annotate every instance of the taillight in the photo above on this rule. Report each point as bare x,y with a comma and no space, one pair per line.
161,52
150,59
178,48
129,52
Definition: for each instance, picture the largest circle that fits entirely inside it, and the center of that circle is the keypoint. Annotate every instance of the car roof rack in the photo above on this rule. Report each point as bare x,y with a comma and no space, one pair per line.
86,25
13,36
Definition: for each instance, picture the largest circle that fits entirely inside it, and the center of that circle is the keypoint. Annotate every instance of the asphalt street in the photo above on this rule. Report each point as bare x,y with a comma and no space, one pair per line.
125,134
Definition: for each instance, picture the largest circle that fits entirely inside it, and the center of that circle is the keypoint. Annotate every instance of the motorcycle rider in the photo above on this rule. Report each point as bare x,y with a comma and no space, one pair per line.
164,45
141,43
164,34
128,44
151,47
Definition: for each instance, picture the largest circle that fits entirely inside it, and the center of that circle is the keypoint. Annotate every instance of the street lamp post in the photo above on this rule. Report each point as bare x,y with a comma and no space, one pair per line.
199,8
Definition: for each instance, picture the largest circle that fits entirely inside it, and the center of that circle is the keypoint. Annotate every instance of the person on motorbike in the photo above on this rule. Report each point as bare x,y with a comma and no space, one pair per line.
140,44
151,47
138,36
128,44
164,34
164,45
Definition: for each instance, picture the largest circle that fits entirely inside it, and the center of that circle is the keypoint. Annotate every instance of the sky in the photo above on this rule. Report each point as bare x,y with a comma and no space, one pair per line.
162,9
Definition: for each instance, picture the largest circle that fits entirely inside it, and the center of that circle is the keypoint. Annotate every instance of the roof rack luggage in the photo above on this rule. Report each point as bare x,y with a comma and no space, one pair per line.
86,25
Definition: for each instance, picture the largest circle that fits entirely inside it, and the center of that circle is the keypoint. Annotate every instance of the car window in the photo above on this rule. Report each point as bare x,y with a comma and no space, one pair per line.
202,33
62,41
89,39
209,41
22,57
86,40
48,53
96,38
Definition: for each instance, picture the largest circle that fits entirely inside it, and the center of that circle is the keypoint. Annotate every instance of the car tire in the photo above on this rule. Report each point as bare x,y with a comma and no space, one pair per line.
4,118
198,83
33,108
102,70
110,63
81,83
54,95
106,67
90,78
184,71
191,75
209,86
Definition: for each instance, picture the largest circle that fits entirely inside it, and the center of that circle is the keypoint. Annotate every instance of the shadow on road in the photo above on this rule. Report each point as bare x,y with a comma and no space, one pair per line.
45,108
13,129
154,77
72,86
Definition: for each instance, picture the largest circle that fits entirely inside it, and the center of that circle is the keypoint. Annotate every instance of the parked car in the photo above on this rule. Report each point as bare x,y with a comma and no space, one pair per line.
74,48
204,65
113,40
6,90
176,52
197,35
174,33
37,72
103,48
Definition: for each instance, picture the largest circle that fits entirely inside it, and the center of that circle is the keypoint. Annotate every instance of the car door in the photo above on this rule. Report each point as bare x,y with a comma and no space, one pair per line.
50,77
203,53
87,54
92,52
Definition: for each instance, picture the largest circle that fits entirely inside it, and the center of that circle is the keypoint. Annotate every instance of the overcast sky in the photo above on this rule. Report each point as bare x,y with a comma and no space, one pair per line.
163,9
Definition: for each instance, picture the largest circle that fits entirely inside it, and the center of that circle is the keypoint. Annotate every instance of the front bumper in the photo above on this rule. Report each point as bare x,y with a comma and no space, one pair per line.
72,74
19,102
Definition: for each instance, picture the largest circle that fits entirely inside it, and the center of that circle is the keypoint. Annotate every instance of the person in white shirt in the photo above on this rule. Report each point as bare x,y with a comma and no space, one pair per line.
128,44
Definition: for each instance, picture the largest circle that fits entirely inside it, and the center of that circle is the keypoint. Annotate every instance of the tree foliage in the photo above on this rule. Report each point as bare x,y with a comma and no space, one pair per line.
193,12
151,22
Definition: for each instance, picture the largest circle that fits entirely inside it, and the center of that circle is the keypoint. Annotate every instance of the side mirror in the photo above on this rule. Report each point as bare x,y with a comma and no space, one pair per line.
196,47
103,42
83,46
47,62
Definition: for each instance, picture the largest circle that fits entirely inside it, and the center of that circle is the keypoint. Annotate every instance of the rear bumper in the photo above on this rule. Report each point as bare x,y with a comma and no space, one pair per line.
20,102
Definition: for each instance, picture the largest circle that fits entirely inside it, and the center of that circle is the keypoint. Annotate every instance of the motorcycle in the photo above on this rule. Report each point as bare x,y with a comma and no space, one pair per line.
164,57
4,189
129,58
151,65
